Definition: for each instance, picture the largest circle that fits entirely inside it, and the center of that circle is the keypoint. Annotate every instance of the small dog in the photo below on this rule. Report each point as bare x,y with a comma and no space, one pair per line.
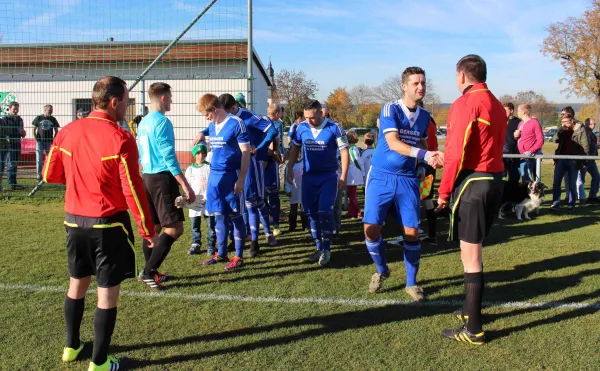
527,197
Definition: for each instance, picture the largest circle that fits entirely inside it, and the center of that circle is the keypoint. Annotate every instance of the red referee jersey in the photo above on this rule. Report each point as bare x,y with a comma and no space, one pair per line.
98,162
432,143
475,137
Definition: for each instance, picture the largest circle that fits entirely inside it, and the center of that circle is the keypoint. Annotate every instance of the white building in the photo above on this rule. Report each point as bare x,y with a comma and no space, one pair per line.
63,75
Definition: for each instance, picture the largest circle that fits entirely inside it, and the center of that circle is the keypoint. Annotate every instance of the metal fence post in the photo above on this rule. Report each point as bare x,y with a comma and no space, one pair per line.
538,168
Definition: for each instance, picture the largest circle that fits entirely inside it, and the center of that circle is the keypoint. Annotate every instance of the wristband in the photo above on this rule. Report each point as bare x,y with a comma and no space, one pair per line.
420,154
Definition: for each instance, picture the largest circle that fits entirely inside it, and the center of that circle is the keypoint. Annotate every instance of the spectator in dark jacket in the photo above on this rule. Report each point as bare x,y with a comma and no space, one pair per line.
511,165
572,140
591,167
11,132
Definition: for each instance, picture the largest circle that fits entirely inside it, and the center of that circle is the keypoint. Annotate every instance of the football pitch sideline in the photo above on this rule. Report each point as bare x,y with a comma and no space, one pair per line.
280,312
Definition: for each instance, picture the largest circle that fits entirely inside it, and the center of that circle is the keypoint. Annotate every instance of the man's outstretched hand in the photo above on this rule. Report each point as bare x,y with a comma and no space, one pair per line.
436,160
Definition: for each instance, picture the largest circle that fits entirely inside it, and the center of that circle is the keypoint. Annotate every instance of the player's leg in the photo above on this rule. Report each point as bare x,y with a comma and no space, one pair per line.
263,208
196,235
475,215
215,207
236,203
211,236
353,207
115,261
251,202
327,195
310,198
272,201
378,198
407,203
293,219
74,306
105,320
80,271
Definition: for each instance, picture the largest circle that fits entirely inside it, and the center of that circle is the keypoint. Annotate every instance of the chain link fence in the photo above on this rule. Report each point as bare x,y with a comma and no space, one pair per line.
53,51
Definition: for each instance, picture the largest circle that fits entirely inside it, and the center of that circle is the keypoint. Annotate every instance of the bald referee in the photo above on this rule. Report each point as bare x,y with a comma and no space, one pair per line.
98,162
472,183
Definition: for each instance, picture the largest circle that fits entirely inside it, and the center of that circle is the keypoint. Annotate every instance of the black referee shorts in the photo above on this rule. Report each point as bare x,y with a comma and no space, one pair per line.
476,202
161,190
102,247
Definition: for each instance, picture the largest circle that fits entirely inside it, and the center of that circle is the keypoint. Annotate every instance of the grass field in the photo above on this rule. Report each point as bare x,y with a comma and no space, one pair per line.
282,313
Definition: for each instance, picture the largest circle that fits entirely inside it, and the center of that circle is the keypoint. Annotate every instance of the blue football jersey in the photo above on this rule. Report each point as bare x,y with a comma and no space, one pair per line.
411,128
320,145
257,127
225,138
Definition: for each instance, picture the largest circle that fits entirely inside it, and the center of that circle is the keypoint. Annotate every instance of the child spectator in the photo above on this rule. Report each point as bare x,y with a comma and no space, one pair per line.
367,153
197,176
355,176
294,191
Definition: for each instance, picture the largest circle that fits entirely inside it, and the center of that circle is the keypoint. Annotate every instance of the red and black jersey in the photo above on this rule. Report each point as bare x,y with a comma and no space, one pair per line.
475,137
98,162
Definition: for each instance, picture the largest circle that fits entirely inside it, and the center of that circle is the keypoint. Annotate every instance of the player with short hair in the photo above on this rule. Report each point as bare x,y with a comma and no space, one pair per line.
230,145
98,162
162,177
320,138
272,168
393,179
472,183
261,133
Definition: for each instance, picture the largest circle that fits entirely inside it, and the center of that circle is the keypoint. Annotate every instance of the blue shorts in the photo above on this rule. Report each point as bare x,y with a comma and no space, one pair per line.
319,192
272,175
254,188
384,190
220,198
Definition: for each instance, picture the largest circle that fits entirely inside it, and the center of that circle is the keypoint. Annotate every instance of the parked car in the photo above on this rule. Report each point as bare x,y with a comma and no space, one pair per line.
549,135
361,131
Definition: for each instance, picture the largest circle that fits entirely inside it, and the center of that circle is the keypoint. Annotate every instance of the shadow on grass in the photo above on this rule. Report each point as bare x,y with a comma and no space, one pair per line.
505,231
569,314
329,324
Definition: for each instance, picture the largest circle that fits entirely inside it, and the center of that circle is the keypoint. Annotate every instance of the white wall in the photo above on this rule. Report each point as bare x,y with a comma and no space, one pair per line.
33,95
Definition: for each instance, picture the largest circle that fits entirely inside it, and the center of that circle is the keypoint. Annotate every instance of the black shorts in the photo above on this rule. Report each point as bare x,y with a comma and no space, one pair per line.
162,189
430,171
102,247
475,204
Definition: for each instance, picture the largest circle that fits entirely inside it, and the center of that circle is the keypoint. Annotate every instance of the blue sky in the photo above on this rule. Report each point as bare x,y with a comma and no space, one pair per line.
336,43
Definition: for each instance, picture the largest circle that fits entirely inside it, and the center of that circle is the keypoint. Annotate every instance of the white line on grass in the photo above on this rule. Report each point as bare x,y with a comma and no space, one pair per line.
337,301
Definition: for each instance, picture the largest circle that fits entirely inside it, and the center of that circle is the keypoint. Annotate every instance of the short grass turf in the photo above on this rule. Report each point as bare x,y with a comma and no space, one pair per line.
553,258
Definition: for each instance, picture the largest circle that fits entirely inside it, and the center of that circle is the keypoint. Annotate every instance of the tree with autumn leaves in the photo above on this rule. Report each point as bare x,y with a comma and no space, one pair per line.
576,44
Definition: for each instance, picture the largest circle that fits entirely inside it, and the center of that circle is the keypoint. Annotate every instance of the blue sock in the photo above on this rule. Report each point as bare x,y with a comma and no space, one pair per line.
326,223
246,218
238,235
264,218
274,205
412,258
377,251
230,229
253,222
315,231
221,229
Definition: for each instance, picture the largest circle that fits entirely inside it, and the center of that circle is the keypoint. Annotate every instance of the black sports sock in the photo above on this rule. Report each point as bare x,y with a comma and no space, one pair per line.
305,222
159,253
104,324
293,216
147,250
473,298
166,242
431,222
73,316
